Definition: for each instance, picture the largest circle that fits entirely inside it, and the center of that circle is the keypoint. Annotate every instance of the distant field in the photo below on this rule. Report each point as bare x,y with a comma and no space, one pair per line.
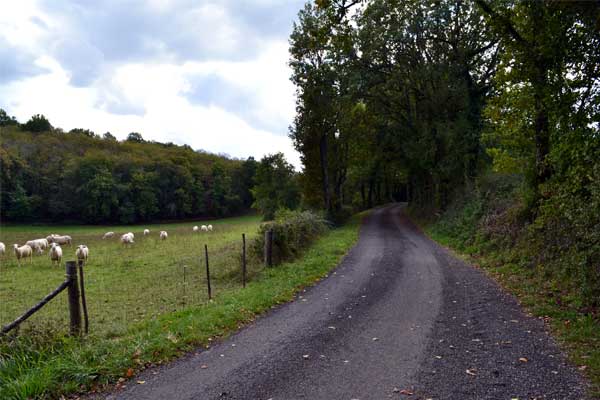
123,285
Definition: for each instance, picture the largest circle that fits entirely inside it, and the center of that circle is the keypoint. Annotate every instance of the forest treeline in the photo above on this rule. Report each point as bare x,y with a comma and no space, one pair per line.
413,98
50,175
419,100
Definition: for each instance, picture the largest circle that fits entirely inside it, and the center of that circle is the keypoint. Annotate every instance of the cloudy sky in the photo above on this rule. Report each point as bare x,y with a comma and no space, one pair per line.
209,73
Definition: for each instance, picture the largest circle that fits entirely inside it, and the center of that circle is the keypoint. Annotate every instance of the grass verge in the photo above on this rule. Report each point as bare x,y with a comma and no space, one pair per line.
31,368
578,333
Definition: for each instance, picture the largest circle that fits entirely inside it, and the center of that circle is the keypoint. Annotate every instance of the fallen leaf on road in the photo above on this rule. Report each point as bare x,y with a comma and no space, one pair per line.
203,366
406,392
375,339
129,373
306,356
141,382
523,359
438,357
471,372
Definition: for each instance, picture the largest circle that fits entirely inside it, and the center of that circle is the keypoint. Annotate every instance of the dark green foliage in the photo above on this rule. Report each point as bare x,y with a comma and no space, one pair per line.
6,120
389,100
37,123
275,186
293,232
135,137
562,244
108,136
79,177
80,131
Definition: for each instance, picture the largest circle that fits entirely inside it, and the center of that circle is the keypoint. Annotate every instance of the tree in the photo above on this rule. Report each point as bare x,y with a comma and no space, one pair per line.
275,186
109,136
38,123
6,120
80,131
547,82
135,137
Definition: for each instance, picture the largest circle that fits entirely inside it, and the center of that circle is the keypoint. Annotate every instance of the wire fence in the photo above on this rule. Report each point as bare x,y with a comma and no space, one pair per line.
139,289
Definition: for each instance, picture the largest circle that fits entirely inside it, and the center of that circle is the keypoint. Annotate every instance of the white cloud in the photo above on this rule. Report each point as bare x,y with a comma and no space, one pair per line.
79,85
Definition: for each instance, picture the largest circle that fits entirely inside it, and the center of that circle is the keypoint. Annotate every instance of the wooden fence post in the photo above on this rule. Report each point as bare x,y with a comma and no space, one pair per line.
83,301
269,248
243,260
73,296
207,272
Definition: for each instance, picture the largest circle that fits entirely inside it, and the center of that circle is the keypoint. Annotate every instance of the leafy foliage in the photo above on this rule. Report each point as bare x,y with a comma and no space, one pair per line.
293,232
77,176
275,186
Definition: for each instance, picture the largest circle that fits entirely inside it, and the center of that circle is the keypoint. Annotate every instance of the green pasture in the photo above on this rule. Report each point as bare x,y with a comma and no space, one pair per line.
124,285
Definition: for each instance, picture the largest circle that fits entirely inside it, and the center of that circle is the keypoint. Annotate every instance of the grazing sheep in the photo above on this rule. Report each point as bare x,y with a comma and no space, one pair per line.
163,235
127,239
55,253
209,228
2,248
65,239
204,228
82,253
23,252
146,232
195,228
38,244
131,234
38,250
108,235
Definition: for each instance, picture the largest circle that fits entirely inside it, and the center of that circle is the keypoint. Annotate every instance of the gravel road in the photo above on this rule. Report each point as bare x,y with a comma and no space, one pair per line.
400,318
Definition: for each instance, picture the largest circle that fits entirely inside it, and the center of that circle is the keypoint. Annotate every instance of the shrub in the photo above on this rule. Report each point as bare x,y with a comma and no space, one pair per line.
293,231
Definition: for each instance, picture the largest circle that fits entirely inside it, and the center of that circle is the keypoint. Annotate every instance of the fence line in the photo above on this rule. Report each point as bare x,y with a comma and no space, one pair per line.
227,275
71,285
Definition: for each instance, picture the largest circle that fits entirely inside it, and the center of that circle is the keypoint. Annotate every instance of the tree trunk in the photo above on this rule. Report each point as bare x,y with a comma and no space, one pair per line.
325,172
363,195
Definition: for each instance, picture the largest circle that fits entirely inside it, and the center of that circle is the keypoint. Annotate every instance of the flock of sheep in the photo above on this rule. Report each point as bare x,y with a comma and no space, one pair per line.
54,241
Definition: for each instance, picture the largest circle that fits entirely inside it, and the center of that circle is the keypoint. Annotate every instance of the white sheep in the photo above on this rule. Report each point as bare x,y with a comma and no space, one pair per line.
2,248
131,234
55,253
38,244
108,235
209,228
65,239
204,228
127,239
163,235
23,252
195,228
146,232
82,253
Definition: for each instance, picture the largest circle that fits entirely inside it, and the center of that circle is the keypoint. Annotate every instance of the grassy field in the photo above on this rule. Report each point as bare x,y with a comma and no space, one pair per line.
123,285
42,365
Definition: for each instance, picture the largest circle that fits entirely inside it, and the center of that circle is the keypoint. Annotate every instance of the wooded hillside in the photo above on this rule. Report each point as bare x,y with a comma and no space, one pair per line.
50,175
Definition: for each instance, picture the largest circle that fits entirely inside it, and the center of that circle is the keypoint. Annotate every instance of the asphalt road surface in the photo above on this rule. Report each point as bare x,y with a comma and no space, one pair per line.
399,318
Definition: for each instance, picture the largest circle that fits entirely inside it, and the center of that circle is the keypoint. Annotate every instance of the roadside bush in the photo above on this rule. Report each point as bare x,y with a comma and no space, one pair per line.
293,231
